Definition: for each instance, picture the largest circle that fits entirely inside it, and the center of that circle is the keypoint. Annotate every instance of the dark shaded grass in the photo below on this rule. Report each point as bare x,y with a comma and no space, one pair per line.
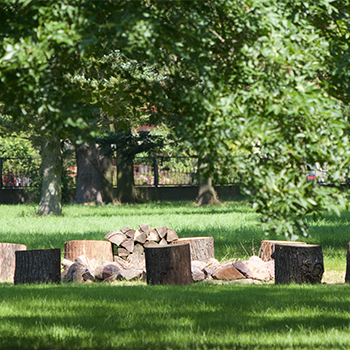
173,317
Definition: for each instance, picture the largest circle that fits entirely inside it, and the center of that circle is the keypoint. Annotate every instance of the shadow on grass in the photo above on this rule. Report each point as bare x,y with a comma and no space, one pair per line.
159,317
330,230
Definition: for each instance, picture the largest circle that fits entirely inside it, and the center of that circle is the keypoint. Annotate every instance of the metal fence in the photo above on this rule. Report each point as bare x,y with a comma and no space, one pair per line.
165,171
156,171
19,172
148,171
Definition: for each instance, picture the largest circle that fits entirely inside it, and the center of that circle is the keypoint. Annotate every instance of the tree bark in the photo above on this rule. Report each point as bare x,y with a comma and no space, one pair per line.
107,179
126,191
102,251
347,275
168,264
8,260
51,169
298,263
38,266
88,175
268,247
206,193
202,248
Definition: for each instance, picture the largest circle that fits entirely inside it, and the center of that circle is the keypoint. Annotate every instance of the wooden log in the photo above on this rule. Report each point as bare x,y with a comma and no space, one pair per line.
122,252
128,245
38,266
298,263
102,251
153,235
130,233
140,237
161,231
168,264
268,247
202,248
144,228
171,235
8,260
347,274
115,237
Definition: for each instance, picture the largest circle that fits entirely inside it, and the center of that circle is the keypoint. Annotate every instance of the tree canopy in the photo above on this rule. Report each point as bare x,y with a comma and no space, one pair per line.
265,77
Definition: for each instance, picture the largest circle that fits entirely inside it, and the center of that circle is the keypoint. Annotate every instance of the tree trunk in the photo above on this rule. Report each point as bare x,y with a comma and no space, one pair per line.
202,248
107,179
126,191
268,247
299,263
38,266
88,175
8,260
168,264
102,251
206,194
51,168
347,275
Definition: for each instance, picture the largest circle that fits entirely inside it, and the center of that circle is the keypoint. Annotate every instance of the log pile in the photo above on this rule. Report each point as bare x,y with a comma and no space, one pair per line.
84,269
89,270
129,244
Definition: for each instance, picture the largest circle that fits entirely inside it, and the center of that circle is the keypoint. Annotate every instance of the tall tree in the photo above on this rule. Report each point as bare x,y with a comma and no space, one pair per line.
247,73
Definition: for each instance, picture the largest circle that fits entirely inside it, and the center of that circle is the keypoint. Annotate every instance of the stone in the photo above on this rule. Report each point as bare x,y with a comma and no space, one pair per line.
98,271
75,272
227,272
83,260
197,274
243,268
198,264
213,262
109,271
130,274
270,265
259,269
209,270
88,275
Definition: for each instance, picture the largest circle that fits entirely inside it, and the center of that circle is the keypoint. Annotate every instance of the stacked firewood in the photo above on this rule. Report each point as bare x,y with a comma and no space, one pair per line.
129,243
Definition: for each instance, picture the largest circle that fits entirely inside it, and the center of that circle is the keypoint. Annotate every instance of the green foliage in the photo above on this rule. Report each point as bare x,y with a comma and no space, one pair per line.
247,75
23,159
262,78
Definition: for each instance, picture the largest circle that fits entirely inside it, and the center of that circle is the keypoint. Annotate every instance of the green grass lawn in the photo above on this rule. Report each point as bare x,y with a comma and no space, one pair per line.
201,316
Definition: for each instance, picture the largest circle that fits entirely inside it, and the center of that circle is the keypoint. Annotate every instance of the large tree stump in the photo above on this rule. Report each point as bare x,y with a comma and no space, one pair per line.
268,247
102,251
8,260
38,266
202,248
168,264
347,275
299,263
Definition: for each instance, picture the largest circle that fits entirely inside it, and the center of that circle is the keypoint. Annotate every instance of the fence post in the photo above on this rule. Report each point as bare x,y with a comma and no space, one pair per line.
155,170
0,172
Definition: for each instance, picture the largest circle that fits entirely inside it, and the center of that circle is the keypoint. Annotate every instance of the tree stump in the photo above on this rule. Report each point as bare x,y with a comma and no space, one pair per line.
168,264
268,247
202,248
38,266
102,251
347,275
8,260
298,263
